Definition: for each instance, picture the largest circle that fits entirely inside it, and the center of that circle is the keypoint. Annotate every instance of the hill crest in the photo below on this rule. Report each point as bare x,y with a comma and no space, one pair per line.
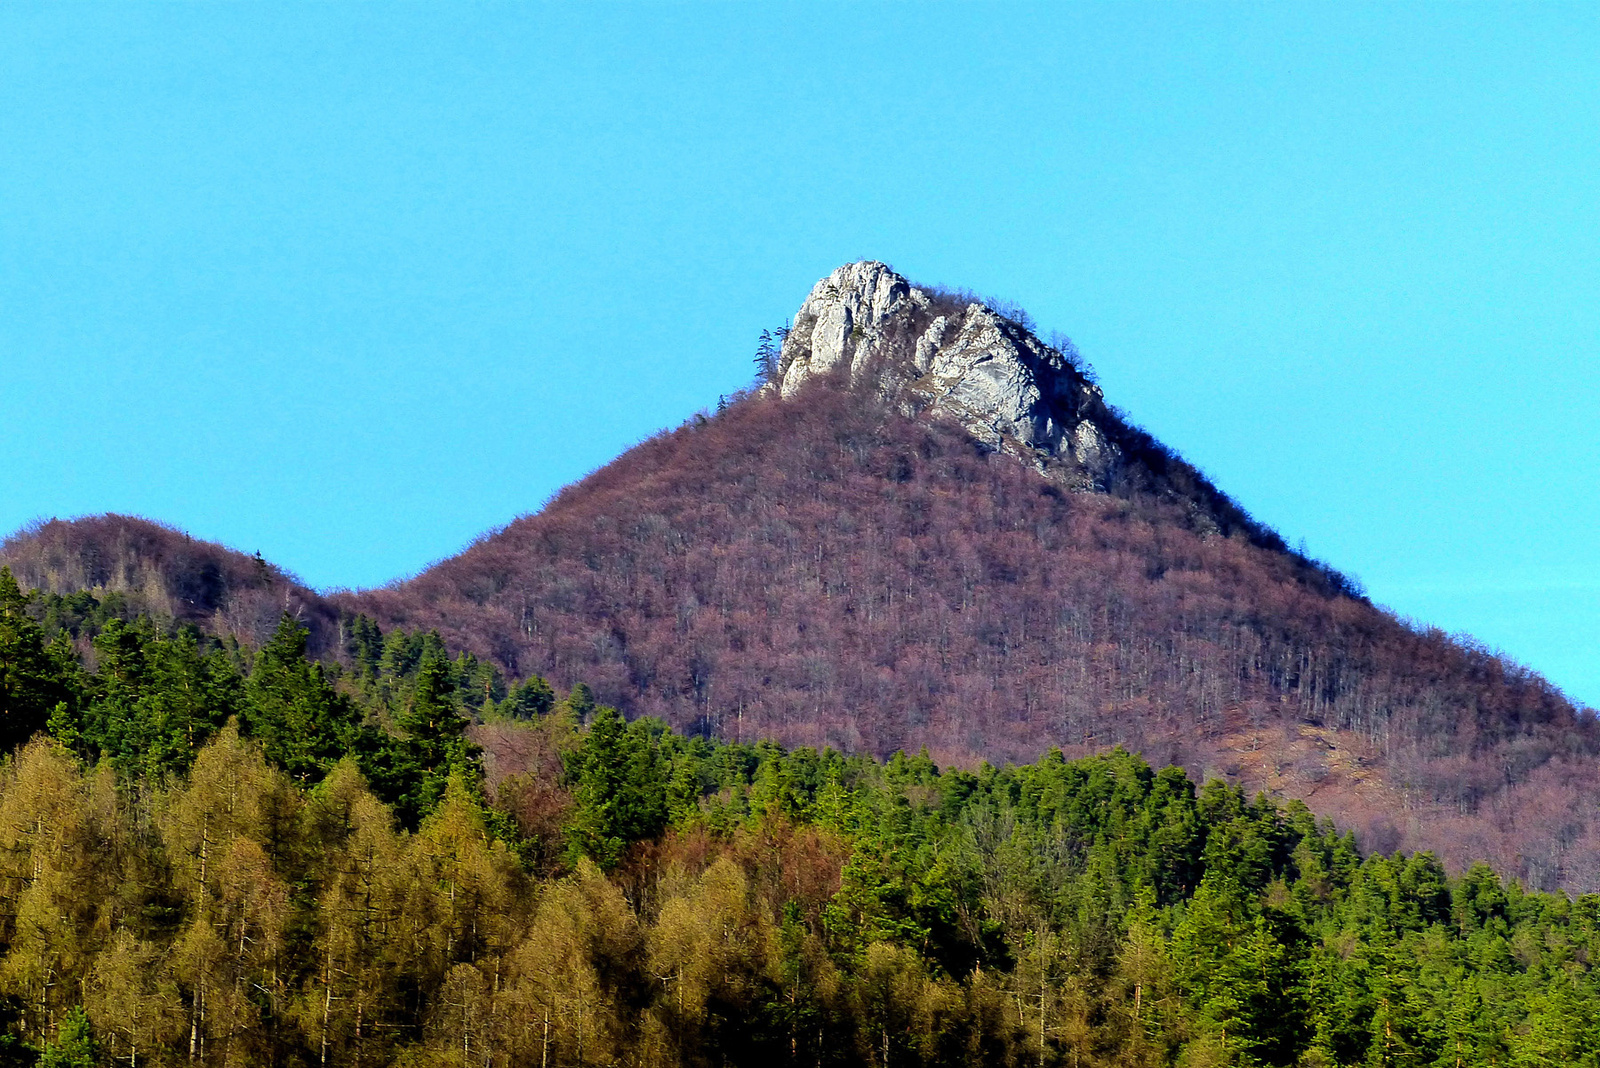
160,570
931,352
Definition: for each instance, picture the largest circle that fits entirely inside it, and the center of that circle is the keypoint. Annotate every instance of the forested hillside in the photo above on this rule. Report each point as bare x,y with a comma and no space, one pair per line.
224,855
140,566
929,530
824,571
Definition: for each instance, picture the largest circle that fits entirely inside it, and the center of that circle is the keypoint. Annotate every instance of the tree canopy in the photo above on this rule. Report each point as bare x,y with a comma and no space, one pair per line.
218,855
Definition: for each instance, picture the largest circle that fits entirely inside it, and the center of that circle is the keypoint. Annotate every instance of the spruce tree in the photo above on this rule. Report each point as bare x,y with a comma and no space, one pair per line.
435,738
619,787
30,688
303,725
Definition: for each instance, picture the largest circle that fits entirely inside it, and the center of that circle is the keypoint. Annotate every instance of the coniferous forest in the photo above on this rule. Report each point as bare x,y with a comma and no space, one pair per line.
219,854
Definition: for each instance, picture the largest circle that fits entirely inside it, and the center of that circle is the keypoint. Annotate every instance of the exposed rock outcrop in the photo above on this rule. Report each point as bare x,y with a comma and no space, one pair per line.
947,355
928,350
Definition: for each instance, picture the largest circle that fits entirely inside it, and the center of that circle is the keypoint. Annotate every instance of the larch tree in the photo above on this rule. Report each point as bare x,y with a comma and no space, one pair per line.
56,878
348,1006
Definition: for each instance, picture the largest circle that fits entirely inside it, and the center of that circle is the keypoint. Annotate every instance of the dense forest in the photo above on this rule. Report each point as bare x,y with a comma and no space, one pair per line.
224,854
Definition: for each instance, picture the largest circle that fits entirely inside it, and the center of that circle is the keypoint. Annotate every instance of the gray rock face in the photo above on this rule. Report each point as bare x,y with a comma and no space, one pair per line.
926,351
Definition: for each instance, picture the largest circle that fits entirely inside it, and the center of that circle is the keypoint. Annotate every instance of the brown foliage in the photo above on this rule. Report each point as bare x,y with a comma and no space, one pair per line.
164,572
522,762
824,572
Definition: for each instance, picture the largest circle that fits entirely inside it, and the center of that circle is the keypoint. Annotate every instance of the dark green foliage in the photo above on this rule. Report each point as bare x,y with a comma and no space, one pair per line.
14,1050
362,643
154,700
303,725
580,704
617,779
30,683
435,744
769,346
528,699
158,694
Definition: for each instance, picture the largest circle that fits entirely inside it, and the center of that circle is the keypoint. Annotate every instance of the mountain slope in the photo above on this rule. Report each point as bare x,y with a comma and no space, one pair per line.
856,557
930,529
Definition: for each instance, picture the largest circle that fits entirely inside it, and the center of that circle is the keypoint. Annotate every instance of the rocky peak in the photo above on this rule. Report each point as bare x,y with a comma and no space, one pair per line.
933,351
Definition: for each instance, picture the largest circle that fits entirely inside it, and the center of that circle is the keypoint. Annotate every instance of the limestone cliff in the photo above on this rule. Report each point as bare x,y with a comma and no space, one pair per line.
928,351
959,358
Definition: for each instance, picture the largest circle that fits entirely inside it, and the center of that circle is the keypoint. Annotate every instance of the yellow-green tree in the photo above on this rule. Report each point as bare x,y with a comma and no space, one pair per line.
346,1007
56,878
228,832
134,1002
714,952
574,978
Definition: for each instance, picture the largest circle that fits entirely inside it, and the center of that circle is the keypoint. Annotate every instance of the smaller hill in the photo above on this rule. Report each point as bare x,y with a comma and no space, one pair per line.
160,570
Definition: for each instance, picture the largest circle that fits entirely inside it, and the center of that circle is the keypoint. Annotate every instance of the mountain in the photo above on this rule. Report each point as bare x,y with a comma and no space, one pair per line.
948,354
927,528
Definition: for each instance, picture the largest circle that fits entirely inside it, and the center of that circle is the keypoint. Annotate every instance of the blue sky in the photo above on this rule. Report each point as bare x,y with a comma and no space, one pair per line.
349,285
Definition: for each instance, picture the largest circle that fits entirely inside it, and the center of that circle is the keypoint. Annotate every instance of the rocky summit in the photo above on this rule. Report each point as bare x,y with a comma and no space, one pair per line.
949,354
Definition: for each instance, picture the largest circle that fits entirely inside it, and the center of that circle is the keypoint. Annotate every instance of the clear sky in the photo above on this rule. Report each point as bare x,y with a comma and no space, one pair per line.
349,285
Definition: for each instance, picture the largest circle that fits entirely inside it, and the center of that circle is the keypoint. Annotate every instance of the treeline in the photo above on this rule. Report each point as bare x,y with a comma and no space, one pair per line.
144,698
223,856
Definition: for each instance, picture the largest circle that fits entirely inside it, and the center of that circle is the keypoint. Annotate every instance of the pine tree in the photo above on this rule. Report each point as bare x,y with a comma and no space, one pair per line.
30,687
74,1046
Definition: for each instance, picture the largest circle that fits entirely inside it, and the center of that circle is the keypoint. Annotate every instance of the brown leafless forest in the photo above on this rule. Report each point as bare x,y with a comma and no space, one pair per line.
149,567
827,573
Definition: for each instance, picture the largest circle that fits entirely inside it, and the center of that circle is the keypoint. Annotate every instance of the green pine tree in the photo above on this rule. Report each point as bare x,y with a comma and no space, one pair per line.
74,1046
30,687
